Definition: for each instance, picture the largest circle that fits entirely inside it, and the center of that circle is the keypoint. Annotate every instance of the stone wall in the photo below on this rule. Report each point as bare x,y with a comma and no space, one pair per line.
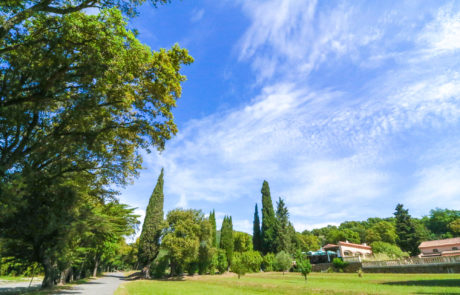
452,268
322,267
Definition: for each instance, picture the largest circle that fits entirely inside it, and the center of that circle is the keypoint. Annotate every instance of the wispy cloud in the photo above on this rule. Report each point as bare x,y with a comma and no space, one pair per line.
339,126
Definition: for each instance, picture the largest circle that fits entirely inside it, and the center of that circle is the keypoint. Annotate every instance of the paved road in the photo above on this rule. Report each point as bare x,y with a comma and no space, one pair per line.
105,285
11,287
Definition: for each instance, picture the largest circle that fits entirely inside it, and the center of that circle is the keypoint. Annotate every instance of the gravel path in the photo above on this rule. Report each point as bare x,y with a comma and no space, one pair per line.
105,285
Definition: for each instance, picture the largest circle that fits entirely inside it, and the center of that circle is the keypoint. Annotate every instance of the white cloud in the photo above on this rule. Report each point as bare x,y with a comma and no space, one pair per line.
197,15
334,152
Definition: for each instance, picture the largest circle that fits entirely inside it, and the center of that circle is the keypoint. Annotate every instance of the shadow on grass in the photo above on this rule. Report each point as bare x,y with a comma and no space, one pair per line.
427,283
138,276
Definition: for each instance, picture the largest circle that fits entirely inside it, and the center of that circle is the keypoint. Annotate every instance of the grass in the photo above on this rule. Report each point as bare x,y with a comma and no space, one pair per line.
292,283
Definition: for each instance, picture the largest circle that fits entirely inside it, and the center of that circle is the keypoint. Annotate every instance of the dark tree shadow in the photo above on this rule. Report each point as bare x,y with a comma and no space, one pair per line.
428,283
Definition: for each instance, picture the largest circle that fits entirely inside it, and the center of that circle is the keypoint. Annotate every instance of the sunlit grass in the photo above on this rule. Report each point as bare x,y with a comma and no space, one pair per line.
292,283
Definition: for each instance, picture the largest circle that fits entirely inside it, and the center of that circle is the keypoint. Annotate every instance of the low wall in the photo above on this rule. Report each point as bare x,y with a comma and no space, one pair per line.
447,268
322,267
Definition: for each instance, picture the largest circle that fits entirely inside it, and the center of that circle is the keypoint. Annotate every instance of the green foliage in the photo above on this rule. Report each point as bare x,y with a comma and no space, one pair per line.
308,242
391,250
149,242
268,263
252,260
268,231
242,242
159,266
256,234
192,268
438,222
383,231
339,264
304,266
186,230
284,231
283,261
226,238
454,227
212,220
222,262
407,240
335,235
238,265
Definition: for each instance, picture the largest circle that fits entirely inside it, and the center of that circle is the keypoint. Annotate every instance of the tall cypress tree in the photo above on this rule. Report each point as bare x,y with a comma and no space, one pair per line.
226,238
283,234
268,220
256,236
405,230
149,241
212,220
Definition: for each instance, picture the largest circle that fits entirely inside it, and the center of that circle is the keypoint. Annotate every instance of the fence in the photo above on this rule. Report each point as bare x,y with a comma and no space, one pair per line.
439,260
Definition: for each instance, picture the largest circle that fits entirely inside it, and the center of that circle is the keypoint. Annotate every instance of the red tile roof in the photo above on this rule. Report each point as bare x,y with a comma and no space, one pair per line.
439,243
355,245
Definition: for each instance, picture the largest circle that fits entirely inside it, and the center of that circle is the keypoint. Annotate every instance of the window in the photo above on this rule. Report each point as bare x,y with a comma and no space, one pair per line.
435,251
454,248
347,253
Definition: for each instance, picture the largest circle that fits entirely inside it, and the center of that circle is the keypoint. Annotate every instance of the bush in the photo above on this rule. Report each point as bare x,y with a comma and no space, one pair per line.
159,266
391,250
252,260
192,268
339,264
283,261
222,263
268,261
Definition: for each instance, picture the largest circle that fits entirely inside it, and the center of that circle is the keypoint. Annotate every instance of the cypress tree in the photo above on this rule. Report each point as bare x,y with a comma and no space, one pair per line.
212,220
268,221
283,236
256,236
226,238
149,241
405,230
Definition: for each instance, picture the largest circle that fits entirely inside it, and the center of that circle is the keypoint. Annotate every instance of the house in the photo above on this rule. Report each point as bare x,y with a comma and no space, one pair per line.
347,249
446,247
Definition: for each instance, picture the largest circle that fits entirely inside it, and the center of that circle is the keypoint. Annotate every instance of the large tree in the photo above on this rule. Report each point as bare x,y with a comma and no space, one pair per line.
149,242
256,234
268,220
407,238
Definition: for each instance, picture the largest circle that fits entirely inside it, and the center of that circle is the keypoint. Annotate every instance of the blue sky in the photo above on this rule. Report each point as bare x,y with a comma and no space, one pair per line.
345,107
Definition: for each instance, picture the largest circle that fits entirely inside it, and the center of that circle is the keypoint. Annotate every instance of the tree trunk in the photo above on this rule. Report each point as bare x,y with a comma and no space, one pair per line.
71,275
50,270
146,271
64,275
96,265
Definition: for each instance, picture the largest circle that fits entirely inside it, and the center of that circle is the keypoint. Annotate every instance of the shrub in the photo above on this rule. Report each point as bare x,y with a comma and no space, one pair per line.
268,262
391,250
192,268
339,264
222,263
252,260
159,266
283,261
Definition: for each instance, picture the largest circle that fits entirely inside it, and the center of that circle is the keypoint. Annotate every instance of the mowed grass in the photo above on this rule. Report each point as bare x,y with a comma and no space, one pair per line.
293,283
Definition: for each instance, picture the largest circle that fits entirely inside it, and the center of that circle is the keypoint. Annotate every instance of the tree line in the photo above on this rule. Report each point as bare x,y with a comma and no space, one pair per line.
189,242
80,97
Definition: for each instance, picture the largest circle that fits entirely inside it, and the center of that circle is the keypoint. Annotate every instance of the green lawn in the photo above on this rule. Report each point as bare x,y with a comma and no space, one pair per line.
291,283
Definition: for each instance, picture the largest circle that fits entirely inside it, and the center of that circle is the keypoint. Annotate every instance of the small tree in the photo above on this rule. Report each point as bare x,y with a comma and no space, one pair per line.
304,266
283,261
238,265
